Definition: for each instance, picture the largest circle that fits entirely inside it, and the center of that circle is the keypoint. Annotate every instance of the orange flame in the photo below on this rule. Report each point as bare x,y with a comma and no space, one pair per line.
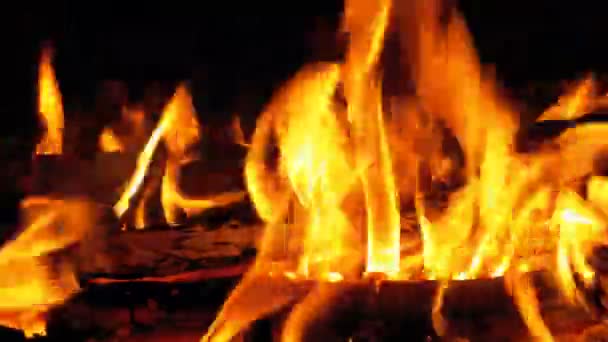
32,284
578,101
50,107
179,129
340,170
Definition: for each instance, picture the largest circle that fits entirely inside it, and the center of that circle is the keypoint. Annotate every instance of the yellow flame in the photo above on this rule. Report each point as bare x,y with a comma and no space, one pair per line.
50,107
367,22
31,284
183,133
334,183
571,105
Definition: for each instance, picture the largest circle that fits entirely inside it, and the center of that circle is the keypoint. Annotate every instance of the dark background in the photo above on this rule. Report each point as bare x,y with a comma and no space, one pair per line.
239,51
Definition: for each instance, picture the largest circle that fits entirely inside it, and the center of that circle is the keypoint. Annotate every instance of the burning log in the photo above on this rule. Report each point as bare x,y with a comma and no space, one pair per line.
147,310
479,309
167,251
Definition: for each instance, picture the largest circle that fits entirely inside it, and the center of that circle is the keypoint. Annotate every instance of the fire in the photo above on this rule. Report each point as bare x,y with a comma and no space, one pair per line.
237,131
341,172
367,23
109,142
33,282
179,130
50,107
580,99
329,169
133,128
35,279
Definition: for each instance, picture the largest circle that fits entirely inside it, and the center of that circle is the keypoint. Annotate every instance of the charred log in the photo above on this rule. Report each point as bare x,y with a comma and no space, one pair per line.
479,310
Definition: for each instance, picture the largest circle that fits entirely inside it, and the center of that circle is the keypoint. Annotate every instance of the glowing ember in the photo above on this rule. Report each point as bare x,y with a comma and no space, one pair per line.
34,281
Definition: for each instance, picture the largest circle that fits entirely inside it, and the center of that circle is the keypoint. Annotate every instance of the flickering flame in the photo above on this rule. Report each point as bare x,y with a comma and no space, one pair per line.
143,161
331,196
179,129
32,282
109,142
50,107
237,132
578,100
134,131
334,189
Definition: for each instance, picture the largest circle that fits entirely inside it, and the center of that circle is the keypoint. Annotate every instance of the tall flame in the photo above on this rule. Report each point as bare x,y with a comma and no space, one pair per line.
367,21
327,164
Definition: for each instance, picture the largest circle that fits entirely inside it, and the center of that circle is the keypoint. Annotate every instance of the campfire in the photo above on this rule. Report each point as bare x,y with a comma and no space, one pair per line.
384,217
337,201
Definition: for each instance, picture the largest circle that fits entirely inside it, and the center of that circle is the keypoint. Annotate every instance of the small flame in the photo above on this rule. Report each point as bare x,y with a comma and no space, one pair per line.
50,107
237,132
331,195
109,142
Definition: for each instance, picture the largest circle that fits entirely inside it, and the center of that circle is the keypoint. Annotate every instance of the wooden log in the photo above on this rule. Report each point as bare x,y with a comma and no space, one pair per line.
171,251
479,309
139,310
360,310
